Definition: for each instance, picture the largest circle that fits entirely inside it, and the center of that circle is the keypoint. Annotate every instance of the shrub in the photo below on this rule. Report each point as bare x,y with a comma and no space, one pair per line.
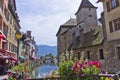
19,69
65,70
69,68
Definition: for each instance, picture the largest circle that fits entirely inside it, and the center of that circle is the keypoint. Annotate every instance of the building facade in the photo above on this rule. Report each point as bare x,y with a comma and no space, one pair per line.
9,23
97,41
112,28
86,35
29,47
64,38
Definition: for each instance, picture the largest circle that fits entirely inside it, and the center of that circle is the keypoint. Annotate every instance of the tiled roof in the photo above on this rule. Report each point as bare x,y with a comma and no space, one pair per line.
91,38
71,21
87,4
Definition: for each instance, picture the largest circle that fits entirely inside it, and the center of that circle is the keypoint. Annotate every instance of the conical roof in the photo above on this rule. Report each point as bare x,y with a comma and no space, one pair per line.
87,4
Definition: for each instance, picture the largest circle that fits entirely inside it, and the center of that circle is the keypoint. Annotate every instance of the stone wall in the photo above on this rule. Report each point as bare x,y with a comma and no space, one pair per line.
111,56
111,61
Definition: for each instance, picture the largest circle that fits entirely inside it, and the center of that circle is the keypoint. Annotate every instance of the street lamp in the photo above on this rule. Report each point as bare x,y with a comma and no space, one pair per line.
18,36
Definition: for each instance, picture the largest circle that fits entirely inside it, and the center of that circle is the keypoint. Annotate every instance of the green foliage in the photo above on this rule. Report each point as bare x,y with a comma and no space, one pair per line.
90,70
21,68
65,70
69,67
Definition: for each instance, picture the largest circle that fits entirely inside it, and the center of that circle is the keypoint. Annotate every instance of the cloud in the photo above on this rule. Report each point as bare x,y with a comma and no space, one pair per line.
43,17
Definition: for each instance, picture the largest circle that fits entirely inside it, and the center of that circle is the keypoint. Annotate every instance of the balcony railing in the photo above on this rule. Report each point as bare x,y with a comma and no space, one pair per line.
84,76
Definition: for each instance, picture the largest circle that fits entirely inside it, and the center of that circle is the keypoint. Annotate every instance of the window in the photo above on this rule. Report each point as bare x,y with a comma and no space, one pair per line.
118,52
91,29
108,6
89,9
88,54
79,26
111,27
117,24
79,56
112,4
101,53
114,25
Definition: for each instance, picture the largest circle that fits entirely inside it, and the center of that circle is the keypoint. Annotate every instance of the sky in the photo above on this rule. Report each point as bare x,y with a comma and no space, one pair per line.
44,17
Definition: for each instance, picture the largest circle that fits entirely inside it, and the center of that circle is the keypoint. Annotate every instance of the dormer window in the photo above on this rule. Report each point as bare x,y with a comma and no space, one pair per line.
90,16
79,26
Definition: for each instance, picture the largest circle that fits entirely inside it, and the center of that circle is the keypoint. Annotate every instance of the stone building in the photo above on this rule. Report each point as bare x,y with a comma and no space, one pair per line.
64,36
85,36
112,29
97,39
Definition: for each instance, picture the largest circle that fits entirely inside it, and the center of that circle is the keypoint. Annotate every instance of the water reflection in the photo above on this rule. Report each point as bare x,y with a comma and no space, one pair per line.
42,70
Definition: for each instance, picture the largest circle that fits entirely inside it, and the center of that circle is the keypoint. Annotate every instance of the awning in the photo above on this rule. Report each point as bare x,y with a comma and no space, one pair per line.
3,51
8,57
1,36
4,41
12,58
22,57
4,57
11,54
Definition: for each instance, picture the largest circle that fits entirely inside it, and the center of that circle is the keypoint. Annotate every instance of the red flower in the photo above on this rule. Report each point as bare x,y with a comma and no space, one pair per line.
95,63
75,66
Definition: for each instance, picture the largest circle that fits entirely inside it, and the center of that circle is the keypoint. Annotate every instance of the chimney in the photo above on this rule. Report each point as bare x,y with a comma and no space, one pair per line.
81,35
29,34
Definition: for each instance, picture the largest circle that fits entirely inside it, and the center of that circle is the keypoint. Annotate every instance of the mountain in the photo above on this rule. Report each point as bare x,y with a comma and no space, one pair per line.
45,49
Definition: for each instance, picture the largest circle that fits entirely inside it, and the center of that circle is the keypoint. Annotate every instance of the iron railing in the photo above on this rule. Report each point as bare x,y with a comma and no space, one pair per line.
83,77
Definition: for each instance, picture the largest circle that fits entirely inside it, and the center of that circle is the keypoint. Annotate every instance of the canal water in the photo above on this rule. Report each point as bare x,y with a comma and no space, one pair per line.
43,70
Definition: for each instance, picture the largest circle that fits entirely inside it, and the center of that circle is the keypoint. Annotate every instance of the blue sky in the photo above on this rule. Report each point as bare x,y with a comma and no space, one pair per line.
44,17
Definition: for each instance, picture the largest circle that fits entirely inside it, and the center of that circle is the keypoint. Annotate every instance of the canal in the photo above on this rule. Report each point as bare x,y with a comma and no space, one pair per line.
42,70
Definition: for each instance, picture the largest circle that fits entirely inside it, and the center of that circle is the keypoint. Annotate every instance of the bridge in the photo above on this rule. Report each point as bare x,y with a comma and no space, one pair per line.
84,76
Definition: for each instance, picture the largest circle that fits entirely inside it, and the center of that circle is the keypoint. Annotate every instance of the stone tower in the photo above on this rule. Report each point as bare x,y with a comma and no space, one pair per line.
86,16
